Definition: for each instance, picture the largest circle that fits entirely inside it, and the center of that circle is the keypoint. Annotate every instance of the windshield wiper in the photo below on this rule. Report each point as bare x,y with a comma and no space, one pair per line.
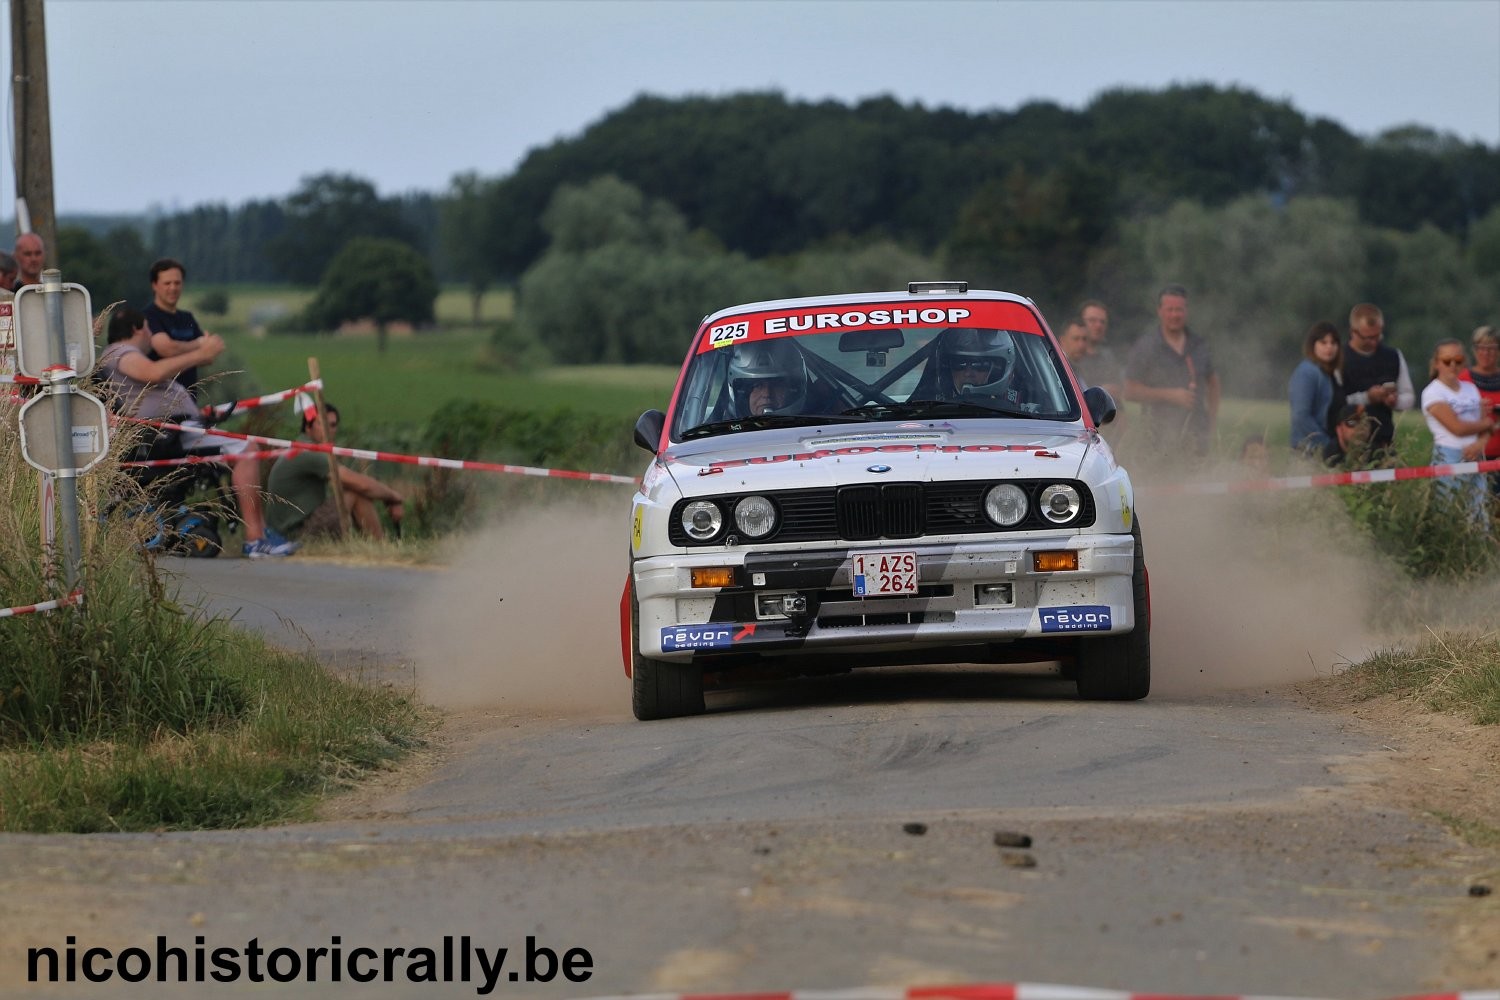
763,421
930,408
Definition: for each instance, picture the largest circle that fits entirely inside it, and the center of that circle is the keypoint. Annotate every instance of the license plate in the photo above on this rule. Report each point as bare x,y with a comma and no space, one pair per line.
877,574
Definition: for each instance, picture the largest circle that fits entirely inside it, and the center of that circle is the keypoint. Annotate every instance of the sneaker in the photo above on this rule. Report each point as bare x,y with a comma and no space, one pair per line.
263,548
277,538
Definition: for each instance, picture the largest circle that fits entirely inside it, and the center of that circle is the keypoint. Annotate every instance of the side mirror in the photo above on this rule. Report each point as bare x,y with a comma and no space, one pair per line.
648,428
1101,405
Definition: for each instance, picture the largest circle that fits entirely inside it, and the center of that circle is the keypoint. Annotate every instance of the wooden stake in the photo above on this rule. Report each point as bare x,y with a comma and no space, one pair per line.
333,463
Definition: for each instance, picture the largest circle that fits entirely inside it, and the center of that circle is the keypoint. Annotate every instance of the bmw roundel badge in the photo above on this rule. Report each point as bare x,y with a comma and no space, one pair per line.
878,468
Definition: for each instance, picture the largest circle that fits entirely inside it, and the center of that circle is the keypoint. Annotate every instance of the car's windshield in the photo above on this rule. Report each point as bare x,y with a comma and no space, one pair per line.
890,373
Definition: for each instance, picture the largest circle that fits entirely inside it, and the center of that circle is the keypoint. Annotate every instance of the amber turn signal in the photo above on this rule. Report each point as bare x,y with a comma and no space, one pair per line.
713,576
1053,562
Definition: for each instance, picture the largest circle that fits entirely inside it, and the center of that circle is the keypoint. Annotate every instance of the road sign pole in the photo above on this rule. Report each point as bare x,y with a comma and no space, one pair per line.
61,382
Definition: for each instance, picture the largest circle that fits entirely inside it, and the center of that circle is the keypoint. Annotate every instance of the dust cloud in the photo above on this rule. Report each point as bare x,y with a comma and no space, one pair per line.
527,620
1246,591
1252,590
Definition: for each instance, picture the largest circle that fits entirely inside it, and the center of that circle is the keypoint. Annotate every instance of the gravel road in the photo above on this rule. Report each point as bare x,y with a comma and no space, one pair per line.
822,835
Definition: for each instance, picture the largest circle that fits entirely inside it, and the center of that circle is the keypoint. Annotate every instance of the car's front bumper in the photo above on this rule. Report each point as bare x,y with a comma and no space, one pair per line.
971,592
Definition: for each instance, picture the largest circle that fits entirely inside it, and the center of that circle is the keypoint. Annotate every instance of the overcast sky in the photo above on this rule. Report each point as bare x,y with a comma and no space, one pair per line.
228,100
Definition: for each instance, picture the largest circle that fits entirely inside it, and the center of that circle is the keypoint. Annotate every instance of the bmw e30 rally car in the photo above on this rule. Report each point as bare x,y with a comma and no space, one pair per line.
862,480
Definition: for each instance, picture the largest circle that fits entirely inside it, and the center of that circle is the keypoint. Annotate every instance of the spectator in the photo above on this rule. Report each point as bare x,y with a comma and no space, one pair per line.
1350,440
1375,375
1171,372
145,388
301,506
1314,390
31,257
1076,347
1095,319
1485,374
173,331
1458,421
8,270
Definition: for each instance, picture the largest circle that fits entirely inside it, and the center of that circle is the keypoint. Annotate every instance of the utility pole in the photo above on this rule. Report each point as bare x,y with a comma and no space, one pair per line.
33,143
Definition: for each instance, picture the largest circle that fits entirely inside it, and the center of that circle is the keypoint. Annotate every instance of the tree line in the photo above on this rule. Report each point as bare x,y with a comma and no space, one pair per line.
757,192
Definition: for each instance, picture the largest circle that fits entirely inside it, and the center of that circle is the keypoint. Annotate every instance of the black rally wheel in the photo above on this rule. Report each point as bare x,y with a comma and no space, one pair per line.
658,689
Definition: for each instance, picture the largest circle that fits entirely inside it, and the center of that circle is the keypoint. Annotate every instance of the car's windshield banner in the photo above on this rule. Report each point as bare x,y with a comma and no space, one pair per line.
808,320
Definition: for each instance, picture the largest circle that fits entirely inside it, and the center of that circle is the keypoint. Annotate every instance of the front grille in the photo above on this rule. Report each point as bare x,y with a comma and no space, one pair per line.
886,510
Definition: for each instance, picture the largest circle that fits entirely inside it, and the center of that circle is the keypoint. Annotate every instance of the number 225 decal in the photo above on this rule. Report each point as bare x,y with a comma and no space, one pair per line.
720,336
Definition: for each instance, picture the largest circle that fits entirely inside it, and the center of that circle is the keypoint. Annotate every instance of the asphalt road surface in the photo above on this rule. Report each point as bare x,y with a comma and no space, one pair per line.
819,835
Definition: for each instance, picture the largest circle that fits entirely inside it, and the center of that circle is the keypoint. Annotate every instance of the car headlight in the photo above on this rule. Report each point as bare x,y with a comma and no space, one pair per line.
1060,503
755,517
1005,505
702,519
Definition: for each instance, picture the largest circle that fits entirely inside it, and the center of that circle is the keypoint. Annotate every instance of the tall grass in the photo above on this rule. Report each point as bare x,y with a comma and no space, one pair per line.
135,712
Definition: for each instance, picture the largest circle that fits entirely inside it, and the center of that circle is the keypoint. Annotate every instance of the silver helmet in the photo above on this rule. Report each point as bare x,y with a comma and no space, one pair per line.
960,348
765,361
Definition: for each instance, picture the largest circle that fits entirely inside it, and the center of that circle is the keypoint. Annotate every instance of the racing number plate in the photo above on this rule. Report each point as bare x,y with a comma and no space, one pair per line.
877,574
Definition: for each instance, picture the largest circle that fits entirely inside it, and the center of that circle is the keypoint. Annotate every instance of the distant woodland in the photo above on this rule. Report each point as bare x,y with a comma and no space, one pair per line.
619,239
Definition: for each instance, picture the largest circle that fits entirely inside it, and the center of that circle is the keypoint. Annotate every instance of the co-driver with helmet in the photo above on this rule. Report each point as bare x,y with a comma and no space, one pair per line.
980,361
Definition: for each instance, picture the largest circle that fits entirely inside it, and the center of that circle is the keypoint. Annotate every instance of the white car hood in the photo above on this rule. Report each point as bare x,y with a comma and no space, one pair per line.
838,455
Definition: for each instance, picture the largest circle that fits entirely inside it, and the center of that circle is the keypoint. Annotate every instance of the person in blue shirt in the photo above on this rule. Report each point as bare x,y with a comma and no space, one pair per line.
1315,389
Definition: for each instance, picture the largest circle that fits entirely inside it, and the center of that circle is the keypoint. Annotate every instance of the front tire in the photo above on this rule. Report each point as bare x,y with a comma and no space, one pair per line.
659,689
1118,667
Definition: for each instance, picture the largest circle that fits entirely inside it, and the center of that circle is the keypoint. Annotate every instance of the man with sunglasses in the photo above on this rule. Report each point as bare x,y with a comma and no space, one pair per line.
973,358
1350,443
1375,374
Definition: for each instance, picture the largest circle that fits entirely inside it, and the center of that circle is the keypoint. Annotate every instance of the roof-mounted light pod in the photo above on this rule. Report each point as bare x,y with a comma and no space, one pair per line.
937,287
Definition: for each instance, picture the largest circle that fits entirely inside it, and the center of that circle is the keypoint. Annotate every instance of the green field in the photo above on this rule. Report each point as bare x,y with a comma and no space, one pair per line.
251,307
420,371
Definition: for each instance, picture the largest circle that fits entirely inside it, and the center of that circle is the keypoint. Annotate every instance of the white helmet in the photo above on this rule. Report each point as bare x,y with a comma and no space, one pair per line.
964,347
764,361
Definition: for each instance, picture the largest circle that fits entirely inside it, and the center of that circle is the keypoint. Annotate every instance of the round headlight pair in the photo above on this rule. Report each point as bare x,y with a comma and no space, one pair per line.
1007,505
754,517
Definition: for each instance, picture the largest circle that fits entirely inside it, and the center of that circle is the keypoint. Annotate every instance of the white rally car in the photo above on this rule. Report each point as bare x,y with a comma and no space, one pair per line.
862,480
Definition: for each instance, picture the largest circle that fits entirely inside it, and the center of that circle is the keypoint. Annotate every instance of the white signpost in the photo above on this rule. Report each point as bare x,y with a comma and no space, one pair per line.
64,431
88,436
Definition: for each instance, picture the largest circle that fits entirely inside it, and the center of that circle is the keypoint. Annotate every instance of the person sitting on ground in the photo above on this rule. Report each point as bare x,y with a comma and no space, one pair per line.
1351,436
301,505
147,389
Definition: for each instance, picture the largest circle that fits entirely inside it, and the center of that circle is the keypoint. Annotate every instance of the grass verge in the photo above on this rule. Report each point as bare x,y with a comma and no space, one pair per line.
296,734
135,713
1456,674
1452,672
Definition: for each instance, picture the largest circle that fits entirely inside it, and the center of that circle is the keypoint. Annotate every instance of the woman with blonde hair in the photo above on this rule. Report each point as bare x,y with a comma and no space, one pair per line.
1459,422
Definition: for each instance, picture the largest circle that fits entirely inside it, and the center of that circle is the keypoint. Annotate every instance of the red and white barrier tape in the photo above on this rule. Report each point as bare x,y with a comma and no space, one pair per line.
266,400
988,991
1355,478
160,463
386,456
19,380
76,597
305,408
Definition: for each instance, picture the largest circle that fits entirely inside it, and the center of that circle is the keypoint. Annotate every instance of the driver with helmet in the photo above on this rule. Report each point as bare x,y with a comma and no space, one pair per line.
978,358
768,377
